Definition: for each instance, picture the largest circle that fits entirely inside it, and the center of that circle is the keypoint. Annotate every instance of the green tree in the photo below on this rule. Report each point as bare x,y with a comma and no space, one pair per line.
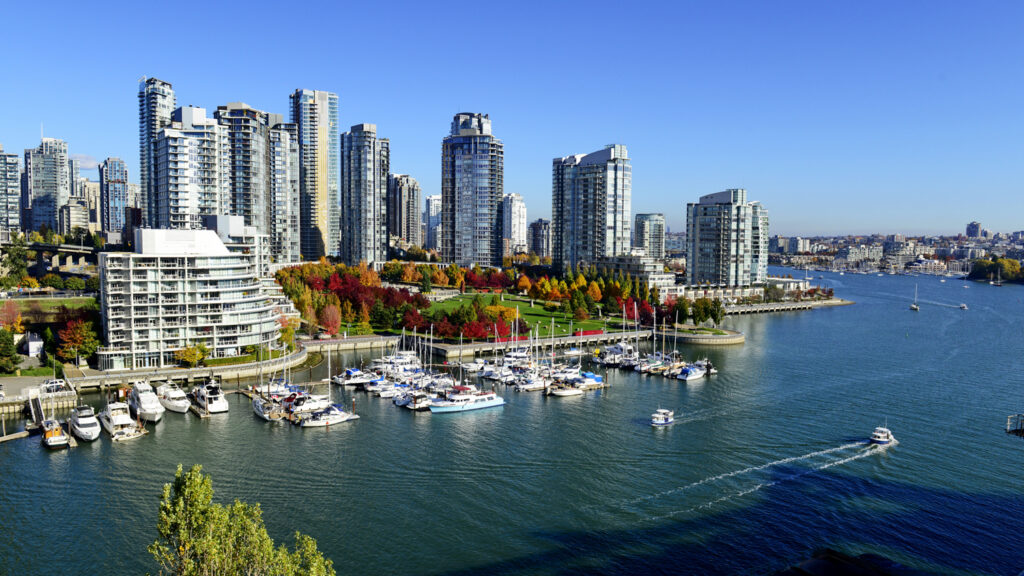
53,281
198,537
8,355
425,286
717,311
701,310
93,284
15,257
191,355
74,283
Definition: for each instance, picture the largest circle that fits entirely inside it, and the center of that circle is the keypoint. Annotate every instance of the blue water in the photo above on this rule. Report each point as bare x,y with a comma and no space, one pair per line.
765,464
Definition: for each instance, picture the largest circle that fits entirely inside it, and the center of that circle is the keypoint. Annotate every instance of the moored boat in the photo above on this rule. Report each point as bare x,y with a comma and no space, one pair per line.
172,398
333,414
467,402
54,436
117,421
83,423
210,397
145,403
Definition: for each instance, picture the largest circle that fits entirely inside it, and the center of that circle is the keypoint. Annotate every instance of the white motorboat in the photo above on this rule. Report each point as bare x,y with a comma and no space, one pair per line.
573,352
466,402
565,391
963,306
145,403
268,410
54,436
172,398
531,384
117,421
474,366
419,400
354,377
300,403
692,372
708,367
210,398
333,414
83,423
882,436
662,417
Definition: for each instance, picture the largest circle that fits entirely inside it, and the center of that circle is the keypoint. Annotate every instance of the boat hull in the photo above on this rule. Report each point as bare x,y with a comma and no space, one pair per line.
179,406
443,408
88,435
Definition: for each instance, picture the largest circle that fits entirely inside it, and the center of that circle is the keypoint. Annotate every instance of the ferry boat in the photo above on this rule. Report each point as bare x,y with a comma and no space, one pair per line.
54,436
144,402
116,419
83,423
662,417
882,436
172,398
466,402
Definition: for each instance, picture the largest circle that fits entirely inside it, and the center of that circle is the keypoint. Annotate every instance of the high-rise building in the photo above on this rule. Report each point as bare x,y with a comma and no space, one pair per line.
248,131
156,104
46,185
727,240
10,191
432,222
513,216
540,237
284,194
113,194
404,217
649,234
974,230
472,185
365,162
74,173
316,114
74,214
590,206
90,191
192,162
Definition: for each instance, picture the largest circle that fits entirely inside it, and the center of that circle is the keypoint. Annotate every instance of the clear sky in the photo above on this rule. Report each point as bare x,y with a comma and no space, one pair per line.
840,117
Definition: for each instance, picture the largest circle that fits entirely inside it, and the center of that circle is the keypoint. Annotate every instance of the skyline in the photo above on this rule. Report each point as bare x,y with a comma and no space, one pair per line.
842,120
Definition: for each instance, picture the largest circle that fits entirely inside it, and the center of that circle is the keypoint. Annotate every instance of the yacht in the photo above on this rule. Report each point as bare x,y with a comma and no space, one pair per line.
882,436
419,401
662,417
144,402
474,366
963,306
333,414
210,397
466,402
172,398
301,402
54,436
118,422
692,372
354,377
83,423
266,409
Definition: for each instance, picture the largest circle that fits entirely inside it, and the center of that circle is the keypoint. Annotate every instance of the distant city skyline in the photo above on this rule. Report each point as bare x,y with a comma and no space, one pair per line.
912,132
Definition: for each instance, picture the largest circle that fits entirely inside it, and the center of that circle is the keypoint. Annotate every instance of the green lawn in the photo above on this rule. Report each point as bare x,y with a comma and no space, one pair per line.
535,315
240,359
36,372
51,304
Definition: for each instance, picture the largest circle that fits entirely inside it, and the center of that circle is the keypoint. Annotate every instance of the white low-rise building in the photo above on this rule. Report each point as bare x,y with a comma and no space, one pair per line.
181,288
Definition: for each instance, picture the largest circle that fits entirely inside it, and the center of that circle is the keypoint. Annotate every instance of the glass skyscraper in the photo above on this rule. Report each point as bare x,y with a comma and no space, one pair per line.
432,221
316,114
365,163
113,194
46,184
649,234
472,185
156,104
10,191
726,240
590,209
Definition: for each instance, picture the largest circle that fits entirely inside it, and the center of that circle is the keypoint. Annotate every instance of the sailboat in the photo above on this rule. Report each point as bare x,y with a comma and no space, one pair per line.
332,414
999,277
914,305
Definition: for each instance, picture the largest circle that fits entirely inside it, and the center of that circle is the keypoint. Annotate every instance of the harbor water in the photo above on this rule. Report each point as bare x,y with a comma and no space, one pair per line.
766,462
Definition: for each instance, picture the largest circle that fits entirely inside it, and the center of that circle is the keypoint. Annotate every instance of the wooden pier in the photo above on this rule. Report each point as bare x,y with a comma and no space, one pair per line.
1015,424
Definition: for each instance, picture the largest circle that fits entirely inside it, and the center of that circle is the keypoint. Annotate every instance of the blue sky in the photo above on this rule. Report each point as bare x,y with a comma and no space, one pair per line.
840,117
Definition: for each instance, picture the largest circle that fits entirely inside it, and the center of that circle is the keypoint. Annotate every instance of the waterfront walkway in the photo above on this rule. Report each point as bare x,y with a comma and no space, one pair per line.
785,306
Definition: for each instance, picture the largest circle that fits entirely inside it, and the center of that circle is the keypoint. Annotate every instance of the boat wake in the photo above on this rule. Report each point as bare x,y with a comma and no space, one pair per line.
863,453
748,470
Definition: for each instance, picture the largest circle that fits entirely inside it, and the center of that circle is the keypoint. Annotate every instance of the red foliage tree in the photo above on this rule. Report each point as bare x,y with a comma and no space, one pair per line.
474,330
330,319
446,329
413,320
646,313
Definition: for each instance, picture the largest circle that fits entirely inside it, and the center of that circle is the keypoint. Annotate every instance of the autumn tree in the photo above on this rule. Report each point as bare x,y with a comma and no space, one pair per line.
330,319
191,356
524,284
10,317
594,291
77,339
